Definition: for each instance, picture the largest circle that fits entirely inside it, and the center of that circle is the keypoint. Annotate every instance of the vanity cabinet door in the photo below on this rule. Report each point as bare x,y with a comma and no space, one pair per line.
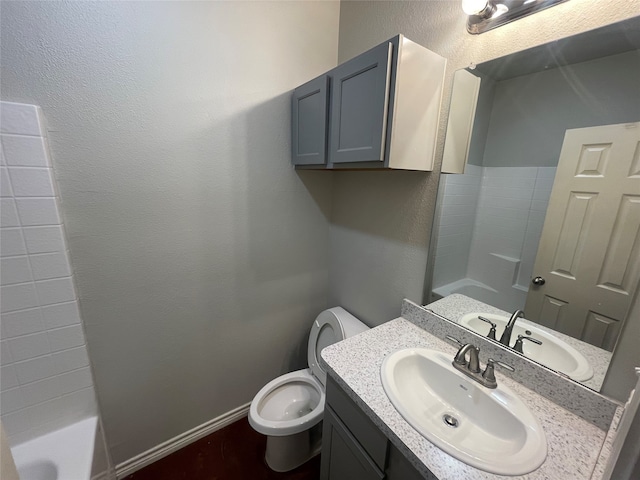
359,107
343,458
309,116
399,468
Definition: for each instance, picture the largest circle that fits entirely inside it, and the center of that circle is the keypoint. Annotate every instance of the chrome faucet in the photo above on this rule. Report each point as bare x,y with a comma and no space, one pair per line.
521,338
471,368
492,330
460,360
505,339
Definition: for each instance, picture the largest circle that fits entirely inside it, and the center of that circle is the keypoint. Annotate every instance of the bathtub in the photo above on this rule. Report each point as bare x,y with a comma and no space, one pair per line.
470,288
507,299
65,454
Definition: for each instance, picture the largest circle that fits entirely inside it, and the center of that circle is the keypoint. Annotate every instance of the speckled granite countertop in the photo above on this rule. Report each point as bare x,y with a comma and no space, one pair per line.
573,443
455,306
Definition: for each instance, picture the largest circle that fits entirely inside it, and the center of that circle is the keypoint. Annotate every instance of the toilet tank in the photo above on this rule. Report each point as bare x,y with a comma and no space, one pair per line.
331,326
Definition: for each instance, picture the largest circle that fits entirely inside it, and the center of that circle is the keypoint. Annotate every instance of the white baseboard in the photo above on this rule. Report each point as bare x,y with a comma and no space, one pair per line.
103,476
176,443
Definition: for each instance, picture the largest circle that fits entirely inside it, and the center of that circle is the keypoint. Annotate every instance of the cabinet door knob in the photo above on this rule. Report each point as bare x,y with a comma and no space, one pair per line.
538,281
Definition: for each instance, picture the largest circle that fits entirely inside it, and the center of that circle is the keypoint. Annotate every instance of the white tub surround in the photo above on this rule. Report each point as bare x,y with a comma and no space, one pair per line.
455,306
46,378
65,454
574,444
489,228
468,287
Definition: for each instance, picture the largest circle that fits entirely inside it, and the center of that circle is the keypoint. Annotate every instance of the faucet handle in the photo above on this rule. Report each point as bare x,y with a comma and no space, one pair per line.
492,330
489,376
521,338
506,366
454,340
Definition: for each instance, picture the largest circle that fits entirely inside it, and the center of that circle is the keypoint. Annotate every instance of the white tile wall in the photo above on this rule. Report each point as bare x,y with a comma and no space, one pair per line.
455,231
20,119
45,377
8,213
37,211
500,227
12,242
5,184
25,151
507,222
31,182
44,239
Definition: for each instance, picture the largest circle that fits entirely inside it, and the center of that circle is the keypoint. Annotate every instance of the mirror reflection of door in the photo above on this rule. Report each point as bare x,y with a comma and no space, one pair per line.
588,260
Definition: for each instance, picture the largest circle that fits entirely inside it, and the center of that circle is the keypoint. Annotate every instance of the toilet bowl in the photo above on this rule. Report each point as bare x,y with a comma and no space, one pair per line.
289,409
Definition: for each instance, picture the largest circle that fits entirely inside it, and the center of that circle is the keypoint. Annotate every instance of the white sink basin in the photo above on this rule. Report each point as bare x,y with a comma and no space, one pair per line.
494,430
553,353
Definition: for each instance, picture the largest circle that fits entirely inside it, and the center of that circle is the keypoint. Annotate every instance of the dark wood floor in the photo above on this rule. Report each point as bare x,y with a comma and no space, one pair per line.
234,453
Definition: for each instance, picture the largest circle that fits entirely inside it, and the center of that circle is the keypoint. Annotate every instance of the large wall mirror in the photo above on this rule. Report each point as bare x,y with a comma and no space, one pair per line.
546,217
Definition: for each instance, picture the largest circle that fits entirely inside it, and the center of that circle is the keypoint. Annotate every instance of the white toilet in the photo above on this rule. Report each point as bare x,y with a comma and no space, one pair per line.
289,409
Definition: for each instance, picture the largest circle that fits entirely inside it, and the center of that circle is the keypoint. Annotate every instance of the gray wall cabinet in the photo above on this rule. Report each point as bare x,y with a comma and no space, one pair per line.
309,115
354,448
377,110
359,106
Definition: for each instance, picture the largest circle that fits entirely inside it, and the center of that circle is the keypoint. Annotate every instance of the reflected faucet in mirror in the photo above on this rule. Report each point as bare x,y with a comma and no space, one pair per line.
521,338
492,330
505,338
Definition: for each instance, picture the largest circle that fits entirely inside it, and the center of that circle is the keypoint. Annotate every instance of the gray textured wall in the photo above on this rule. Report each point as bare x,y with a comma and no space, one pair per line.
381,221
531,113
481,120
200,254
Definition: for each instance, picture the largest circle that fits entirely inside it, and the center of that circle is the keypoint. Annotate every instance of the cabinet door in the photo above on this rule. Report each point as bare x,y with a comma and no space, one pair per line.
399,468
309,111
359,106
343,458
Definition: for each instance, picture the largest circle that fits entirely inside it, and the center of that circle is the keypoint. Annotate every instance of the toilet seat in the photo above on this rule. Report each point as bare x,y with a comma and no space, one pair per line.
283,393
326,330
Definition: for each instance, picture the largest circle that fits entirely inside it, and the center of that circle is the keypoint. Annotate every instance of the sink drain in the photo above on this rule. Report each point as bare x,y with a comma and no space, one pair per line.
450,420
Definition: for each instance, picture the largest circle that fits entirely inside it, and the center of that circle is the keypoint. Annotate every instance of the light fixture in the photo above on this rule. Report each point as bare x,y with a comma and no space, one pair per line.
476,7
485,15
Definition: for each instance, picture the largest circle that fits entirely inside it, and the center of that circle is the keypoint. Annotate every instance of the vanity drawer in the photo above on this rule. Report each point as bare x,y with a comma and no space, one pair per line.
368,435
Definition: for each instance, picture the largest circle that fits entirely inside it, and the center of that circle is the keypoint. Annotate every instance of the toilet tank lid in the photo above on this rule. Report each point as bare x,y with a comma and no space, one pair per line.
331,326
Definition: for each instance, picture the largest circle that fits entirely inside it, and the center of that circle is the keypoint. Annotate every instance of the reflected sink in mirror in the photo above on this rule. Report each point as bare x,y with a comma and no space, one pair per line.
553,353
490,429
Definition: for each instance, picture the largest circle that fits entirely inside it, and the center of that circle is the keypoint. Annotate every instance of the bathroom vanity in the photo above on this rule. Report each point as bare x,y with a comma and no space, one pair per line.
365,437
353,447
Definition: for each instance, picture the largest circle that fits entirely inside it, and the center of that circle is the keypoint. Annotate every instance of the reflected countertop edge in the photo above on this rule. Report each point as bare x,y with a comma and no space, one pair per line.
457,305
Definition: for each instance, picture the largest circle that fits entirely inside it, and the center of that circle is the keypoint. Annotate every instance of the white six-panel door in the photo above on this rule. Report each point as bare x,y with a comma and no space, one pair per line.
589,252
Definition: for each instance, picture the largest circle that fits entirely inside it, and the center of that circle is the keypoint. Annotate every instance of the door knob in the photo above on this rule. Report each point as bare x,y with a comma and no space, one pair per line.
538,281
